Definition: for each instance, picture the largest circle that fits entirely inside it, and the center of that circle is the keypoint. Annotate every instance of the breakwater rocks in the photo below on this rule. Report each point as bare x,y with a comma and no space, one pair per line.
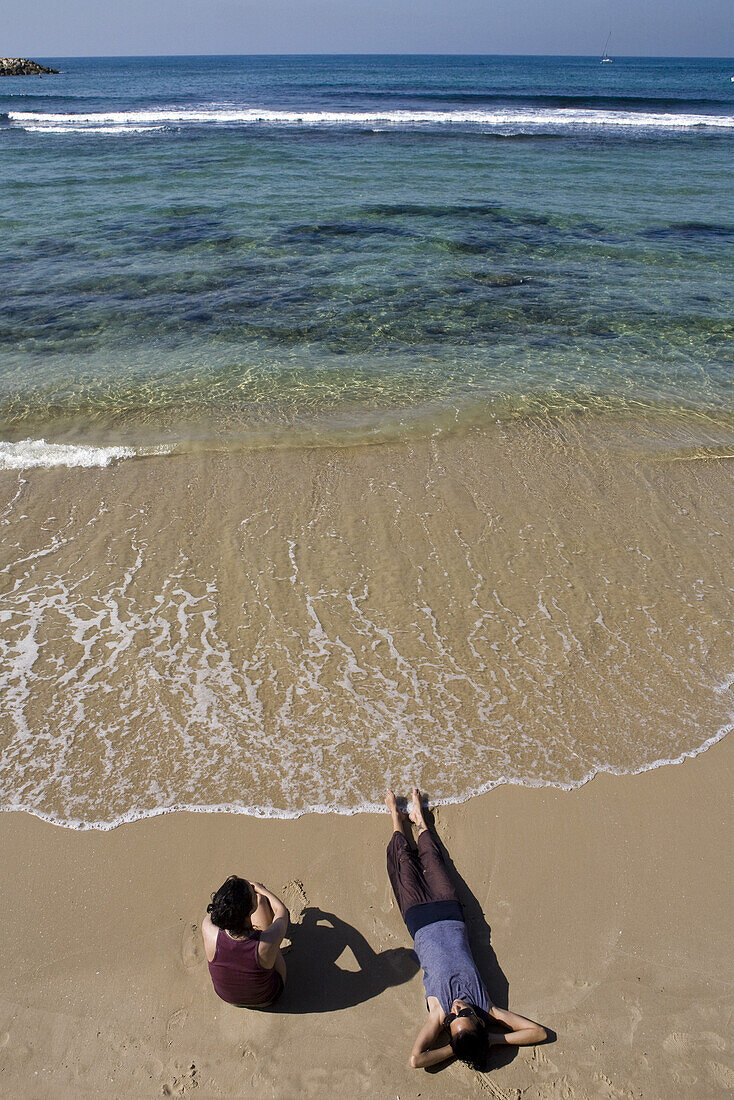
21,66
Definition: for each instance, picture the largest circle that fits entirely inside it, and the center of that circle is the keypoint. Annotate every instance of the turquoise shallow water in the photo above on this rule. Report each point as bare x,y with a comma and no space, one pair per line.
247,249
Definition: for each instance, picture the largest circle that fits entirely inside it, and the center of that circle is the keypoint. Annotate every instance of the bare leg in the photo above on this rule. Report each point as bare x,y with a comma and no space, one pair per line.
403,863
398,817
262,918
416,812
440,883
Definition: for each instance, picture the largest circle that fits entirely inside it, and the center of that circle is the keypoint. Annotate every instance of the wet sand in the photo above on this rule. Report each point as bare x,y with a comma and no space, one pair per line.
285,629
609,909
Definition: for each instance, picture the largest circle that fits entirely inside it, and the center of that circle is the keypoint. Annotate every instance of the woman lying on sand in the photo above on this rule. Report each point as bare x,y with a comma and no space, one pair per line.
243,930
459,1007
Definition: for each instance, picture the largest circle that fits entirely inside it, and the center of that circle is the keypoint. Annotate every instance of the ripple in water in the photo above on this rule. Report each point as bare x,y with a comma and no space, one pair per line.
282,631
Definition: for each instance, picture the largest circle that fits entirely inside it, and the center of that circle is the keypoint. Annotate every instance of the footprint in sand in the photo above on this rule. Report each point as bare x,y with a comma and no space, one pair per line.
677,1043
179,1086
560,1089
295,898
723,1076
388,900
177,1019
612,1091
192,947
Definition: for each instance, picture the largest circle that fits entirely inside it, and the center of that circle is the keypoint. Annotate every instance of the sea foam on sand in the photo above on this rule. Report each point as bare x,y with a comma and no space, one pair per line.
32,453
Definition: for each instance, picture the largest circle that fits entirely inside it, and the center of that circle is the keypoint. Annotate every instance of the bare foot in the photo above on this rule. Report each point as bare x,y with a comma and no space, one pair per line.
416,811
398,817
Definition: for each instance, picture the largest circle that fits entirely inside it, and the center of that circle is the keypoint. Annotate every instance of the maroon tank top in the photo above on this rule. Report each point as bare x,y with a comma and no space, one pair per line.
238,975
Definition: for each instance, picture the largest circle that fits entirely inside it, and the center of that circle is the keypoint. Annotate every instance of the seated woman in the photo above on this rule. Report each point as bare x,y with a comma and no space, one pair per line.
243,930
459,1007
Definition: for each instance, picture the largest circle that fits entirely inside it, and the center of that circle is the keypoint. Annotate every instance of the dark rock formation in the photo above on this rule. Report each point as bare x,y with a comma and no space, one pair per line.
21,66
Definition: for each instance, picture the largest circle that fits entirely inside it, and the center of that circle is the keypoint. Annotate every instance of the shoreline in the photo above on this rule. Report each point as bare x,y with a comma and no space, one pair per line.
285,635
675,430
601,912
268,814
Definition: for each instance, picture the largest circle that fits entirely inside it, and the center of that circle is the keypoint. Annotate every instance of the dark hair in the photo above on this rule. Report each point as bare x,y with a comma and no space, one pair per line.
470,1044
231,906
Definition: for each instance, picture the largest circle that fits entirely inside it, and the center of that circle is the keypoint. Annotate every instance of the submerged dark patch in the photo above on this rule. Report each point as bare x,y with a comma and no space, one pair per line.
689,231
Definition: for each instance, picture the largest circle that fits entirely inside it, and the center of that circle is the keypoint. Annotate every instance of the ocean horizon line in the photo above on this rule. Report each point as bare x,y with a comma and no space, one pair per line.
341,56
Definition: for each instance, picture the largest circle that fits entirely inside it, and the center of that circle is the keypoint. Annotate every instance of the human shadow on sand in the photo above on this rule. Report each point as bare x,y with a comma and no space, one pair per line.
331,966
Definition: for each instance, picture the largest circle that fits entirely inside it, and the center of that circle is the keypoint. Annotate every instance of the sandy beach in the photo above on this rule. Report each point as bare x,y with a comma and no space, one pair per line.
602,912
365,418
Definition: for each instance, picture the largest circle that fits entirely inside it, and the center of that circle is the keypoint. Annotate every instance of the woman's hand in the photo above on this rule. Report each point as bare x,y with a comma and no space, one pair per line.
522,1032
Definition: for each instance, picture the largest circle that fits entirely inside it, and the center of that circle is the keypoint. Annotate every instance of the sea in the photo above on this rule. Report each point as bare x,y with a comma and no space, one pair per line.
364,420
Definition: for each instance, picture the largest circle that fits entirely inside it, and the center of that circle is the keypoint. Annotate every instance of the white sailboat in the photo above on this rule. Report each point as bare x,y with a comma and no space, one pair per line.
606,59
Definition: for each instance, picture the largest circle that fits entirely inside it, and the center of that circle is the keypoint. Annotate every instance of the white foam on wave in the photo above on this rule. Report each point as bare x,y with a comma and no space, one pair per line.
166,652
271,813
65,128
33,453
535,120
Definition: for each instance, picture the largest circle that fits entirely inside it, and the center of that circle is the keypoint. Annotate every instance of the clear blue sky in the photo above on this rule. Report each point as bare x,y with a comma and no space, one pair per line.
48,28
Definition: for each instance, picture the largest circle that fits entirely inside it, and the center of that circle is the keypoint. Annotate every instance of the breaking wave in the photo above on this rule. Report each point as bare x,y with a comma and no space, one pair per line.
501,119
33,453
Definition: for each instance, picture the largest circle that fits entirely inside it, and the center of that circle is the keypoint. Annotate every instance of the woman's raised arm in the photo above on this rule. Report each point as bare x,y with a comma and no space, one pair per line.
522,1032
424,1053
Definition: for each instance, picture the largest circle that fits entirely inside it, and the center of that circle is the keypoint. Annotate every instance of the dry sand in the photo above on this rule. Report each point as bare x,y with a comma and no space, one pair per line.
609,907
